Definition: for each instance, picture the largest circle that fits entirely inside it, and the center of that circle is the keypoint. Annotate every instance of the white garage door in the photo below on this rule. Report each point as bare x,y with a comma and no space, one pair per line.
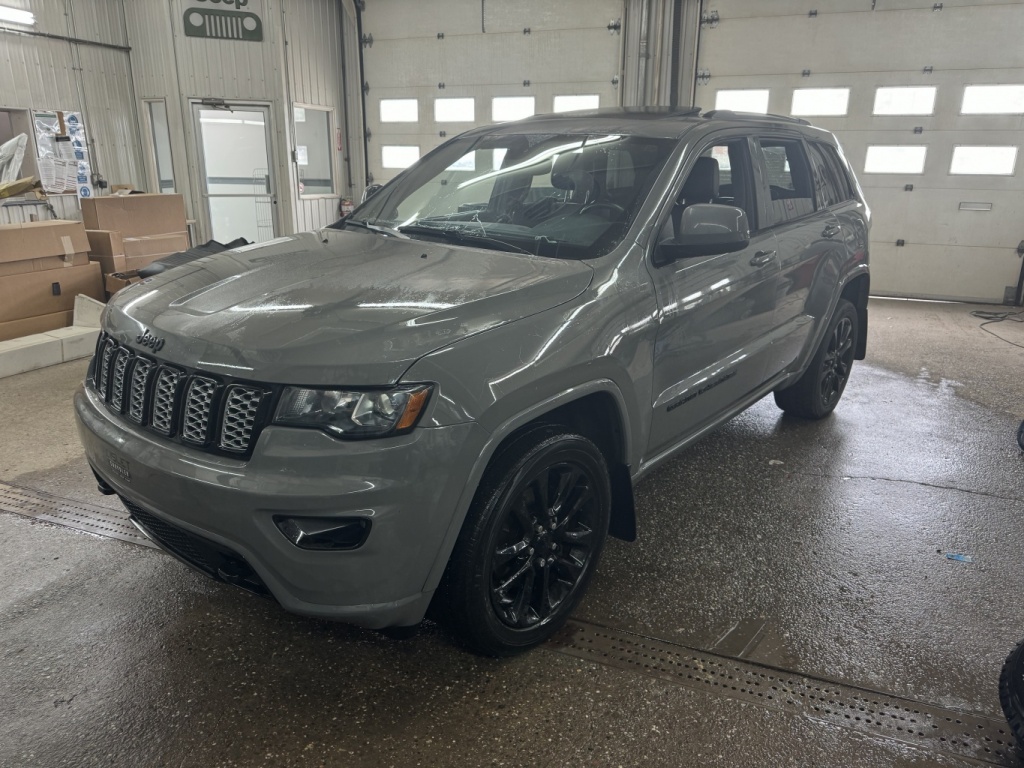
435,69
927,99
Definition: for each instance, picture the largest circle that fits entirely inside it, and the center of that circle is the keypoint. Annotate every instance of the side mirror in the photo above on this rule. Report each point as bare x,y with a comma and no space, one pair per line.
369,192
706,230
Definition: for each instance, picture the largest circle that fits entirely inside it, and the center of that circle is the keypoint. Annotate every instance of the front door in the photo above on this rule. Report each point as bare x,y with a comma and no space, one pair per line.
714,337
237,183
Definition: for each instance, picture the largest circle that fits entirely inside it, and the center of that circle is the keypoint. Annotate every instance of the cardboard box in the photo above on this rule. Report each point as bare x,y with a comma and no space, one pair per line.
44,293
39,239
40,265
153,245
135,215
15,329
110,264
105,242
114,283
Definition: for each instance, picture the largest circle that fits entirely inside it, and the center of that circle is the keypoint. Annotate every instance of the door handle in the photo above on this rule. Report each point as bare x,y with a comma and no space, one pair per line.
761,258
830,231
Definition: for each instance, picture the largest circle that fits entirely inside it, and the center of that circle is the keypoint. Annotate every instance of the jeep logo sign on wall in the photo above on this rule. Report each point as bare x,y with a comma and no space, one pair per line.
223,20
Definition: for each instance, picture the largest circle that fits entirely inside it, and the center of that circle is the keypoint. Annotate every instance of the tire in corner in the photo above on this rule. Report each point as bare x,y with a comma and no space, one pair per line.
1011,692
816,393
530,543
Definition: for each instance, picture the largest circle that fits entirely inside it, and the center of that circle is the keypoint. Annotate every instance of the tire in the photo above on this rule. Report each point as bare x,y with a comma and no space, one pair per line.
1020,435
1011,692
816,394
529,545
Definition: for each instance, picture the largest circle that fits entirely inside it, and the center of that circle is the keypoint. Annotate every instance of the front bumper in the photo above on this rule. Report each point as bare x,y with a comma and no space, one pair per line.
409,487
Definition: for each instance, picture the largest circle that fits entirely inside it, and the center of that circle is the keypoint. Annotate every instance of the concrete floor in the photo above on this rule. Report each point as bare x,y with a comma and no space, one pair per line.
823,544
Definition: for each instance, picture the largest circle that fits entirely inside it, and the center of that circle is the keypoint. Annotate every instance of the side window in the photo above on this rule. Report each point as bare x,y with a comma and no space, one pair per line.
826,185
789,180
723,175
846,187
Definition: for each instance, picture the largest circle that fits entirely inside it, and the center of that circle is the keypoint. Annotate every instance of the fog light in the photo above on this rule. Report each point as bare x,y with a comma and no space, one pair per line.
324,532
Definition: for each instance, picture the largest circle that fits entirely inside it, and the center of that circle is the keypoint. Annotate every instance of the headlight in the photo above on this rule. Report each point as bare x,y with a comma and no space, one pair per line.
350,413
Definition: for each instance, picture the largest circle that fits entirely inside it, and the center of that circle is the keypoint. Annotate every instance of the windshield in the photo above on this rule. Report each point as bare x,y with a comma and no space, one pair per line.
565,196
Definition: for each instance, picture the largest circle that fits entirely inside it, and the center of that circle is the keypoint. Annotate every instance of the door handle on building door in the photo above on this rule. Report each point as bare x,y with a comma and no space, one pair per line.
761,258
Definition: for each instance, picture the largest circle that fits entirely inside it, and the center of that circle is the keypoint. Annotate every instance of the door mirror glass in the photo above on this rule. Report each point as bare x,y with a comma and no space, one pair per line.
705,229
370,191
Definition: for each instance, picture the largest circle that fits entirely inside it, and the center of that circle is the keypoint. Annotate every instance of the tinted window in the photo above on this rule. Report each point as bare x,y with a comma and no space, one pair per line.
846,187
790,183
826,185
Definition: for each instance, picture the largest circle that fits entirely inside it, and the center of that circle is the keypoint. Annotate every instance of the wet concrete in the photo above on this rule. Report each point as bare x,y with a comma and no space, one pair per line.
819,548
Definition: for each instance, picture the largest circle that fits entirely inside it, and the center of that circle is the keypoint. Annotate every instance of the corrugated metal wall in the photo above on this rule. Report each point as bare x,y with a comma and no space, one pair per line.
42,73
314,55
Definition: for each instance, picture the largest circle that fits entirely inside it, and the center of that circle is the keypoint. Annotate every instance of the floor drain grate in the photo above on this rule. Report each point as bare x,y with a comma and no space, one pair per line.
112,523
922,725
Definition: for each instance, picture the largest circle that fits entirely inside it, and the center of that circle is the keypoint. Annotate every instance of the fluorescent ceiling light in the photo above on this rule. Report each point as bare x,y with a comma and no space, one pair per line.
17,16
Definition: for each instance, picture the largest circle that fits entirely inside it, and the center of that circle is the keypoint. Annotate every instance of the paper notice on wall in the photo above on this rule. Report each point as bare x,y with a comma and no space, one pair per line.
302,155
300,114
63,153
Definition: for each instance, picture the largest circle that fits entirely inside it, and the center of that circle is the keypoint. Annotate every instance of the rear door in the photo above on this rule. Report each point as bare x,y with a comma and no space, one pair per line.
799,214
714,334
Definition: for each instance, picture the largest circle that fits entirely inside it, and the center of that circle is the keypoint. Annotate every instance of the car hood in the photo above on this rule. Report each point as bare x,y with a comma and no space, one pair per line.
334,307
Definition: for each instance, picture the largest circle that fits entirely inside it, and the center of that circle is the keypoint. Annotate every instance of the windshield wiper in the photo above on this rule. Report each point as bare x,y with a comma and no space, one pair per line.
372,227
455,235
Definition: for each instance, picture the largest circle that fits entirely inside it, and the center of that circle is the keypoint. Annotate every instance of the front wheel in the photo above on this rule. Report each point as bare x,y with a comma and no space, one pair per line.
530,543
816,394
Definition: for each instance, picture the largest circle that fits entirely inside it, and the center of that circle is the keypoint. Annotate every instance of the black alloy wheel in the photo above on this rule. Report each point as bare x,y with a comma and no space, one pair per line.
835,367
816,393
544,545
530,543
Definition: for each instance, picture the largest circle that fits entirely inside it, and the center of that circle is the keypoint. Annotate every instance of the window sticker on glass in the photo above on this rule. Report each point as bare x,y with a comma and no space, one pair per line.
302,155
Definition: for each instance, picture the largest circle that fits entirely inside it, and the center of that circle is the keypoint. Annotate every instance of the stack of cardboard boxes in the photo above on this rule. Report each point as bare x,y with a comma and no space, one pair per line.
43,266
127,233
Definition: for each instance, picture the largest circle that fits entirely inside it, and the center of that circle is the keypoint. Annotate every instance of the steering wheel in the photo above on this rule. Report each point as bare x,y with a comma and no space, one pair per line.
606,206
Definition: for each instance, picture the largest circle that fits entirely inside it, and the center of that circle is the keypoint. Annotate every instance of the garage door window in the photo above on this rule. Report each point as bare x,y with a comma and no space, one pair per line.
584,101
911,100
895,159
505,108
399,111
993,100
752,100
398,156
820,102
454,110
983,161
789,180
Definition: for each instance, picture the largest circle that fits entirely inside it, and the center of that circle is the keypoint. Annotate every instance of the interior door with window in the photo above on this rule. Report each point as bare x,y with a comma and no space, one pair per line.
237,181
716,311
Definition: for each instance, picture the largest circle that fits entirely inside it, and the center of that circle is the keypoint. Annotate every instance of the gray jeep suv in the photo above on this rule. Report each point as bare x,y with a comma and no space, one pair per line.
445,399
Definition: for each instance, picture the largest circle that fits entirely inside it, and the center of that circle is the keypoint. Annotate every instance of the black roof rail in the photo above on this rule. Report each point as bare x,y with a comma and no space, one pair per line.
728,113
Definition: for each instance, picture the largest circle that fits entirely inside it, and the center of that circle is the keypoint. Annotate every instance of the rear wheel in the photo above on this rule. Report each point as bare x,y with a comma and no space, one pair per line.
1011,692
530,543
816,394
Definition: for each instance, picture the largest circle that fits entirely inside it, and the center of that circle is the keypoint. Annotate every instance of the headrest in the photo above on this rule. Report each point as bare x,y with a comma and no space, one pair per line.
567,172
702,184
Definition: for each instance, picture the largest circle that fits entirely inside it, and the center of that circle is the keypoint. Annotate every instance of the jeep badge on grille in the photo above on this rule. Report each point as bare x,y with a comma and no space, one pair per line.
147,339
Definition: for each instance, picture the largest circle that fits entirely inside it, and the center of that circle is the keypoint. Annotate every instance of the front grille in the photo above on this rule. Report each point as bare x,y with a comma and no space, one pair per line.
164,394
206,412
137,392
198,402
117,375
240,409
213,559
